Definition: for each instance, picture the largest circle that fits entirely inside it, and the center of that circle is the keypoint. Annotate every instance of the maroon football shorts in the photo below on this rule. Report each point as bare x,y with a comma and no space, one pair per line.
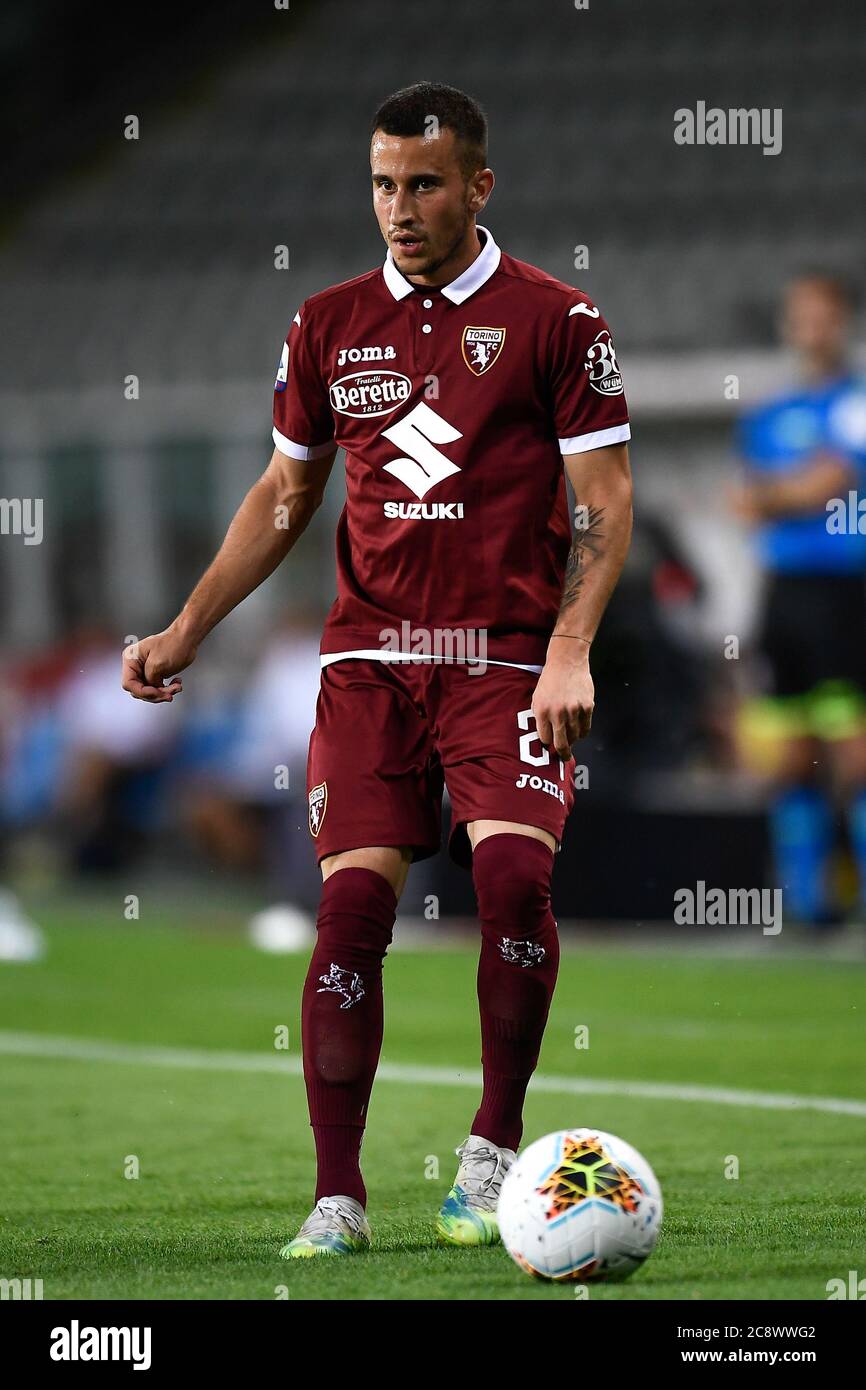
389,734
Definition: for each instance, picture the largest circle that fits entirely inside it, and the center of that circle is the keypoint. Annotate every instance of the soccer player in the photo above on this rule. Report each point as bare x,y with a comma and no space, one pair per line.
457,379
805,456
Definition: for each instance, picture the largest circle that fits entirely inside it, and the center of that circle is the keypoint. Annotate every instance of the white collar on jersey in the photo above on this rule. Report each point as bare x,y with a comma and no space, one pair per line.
478,274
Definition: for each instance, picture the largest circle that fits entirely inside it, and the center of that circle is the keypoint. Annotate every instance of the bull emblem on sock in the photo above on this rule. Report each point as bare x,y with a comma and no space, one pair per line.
344,982
524,953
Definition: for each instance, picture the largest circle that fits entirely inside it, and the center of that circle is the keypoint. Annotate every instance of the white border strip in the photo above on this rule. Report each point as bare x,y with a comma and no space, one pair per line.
303,452
582,443
66,1049
382,654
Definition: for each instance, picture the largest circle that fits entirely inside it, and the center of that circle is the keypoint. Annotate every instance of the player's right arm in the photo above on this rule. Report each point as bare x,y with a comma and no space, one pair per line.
275,512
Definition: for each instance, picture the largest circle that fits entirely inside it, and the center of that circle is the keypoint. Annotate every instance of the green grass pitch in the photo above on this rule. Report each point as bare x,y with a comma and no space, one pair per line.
226,1157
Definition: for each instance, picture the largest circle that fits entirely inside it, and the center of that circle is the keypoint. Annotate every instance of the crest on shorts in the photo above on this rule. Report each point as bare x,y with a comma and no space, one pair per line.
481,347
318,800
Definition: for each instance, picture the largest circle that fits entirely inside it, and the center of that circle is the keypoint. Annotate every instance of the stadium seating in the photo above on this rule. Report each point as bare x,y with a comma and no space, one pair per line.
160,256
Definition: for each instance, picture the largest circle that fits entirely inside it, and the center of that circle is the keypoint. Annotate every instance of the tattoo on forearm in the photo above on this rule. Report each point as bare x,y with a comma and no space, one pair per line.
586,545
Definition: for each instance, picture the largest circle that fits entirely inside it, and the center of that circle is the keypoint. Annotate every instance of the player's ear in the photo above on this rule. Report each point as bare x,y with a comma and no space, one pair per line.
482,186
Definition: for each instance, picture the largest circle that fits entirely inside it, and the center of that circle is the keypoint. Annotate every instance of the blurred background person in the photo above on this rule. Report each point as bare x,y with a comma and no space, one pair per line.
77,761
248,804
805,470
113,762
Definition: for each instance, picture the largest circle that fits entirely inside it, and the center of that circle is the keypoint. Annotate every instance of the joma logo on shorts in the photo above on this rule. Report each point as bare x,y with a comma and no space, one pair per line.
541,784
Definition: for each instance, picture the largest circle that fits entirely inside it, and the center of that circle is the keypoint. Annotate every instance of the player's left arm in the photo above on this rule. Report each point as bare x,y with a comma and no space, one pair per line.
564,697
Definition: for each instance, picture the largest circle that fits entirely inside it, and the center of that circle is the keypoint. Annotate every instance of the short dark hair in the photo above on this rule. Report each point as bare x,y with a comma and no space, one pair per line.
408,112
834,284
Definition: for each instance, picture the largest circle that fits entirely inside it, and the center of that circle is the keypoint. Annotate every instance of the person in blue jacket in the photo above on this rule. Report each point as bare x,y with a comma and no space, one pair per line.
804,493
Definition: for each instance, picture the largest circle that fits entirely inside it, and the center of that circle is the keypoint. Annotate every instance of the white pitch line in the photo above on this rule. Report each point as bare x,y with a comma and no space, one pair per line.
65,1049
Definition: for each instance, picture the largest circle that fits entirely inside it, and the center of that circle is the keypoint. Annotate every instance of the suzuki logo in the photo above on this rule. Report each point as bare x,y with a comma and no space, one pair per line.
416,434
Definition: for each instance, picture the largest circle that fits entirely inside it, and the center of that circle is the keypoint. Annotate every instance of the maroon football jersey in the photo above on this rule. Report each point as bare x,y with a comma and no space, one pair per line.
454,406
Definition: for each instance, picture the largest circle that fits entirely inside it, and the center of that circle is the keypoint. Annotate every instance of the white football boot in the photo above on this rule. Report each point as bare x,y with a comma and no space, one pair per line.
335,1226
468,1214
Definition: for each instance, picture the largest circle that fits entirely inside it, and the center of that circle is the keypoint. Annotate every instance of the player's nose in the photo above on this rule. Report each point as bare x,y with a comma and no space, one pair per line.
402,212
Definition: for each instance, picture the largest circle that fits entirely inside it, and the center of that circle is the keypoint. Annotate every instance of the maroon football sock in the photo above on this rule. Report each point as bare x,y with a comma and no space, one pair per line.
341,1021
516,975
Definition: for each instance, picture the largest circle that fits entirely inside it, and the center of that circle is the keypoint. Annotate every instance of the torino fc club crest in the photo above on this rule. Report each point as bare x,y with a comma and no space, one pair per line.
318,800
481,347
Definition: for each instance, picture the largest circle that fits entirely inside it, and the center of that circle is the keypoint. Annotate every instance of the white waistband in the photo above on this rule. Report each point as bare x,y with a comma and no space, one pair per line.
376,654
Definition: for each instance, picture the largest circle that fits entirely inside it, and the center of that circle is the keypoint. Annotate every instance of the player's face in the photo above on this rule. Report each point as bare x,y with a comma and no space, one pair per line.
815,321
423,202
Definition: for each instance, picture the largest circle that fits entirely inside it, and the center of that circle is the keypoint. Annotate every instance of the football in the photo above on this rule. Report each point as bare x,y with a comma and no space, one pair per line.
580,1204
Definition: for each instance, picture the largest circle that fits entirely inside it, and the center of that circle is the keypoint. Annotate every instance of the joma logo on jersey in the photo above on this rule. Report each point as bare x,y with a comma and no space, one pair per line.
366,354
370,393
481,347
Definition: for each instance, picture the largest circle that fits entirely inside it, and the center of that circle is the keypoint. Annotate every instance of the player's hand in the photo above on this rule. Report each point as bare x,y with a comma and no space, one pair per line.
743,501
147,664
564,697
